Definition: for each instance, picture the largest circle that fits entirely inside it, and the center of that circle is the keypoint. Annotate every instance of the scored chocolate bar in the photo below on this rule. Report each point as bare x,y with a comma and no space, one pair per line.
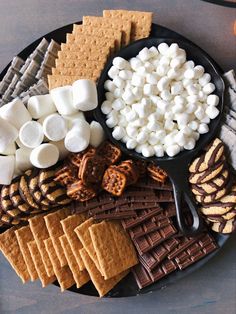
149,183
147,242
116,213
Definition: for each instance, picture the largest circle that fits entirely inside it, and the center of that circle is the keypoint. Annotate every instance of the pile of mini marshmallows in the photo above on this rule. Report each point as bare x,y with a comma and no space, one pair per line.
158,102
45,130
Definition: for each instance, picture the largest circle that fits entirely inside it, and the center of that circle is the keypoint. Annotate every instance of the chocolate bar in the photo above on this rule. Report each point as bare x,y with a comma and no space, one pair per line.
185,242
149,183
116,213
142,215
147,242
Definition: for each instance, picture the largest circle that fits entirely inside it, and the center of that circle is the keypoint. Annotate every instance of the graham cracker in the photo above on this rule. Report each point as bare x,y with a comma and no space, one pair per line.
86,71
61,80
68,225
80,277
63,274
98,22
85,52
83,234
40,232
11,250
55,231
84,64
114,249
36,256
103,286
141,22
24,235
84,39
106,33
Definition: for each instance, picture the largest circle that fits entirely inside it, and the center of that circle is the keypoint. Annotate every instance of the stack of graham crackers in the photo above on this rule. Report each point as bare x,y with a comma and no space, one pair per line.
86,50
70,249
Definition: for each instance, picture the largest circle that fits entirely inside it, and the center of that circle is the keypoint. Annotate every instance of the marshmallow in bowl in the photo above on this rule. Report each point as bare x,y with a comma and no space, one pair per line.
63,100
97,134
15,113
158,102
85,95
31,134
54,127
23,159
41,105
8,134
77,139
7,169
44,156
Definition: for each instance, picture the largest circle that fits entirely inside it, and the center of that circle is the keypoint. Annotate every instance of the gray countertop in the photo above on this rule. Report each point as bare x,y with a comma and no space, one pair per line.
211,289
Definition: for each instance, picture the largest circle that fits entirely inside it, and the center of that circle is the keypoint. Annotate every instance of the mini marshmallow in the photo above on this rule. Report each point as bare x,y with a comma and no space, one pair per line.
132,131
31,134
125,75
172,74
193,125
213,100
40,106
135,63
199,113
180,138
163,83
111,122
177,108
142,137
106,107
169,125
72,119
120,63
179,100
118,104
63,100
23,159
149,66
198,71
63,152
186,130
192,98
190,144
118,133
15,113
131,116
10,150
148,151
144,54
152,78
163,48
54,127
113,72
204,79
153,139
164,61
176,88
209,88
44,156
182,119
188,65
159,150
176,63
162,70
7,169
166,95
119,82
172,150
109,96
85,96
191,108
205,119
137,80
212,112
131,144
8,134
97,134
77,139
122,121
128,97
154,52
109,86
118,92
148,89
203,128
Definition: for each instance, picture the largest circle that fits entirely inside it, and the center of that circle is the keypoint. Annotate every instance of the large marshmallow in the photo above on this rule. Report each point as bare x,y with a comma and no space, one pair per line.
97,134
72,119
44,156
31,134
55,127
63,100
23,159
85,96
41,105
77,139
7,169
8,134
10,150
15,113
63,152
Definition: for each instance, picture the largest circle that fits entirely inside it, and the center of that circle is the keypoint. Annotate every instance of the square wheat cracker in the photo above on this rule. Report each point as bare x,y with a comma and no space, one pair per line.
114,249
86,71
11,250
24,235
83,234
141,22
102,286
55,230
80,277
115,23
40,232
63,273
69,224
36,256
85,52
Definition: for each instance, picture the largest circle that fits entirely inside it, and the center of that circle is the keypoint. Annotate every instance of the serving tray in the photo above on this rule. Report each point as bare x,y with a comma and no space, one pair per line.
128,287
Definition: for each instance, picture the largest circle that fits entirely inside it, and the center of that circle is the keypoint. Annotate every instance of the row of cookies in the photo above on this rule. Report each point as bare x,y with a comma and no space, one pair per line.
214,187
89,45
33,192
70,249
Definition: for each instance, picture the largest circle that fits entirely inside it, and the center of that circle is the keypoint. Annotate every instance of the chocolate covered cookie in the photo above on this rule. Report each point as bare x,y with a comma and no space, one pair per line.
25,191
208,174
16,198
227,226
